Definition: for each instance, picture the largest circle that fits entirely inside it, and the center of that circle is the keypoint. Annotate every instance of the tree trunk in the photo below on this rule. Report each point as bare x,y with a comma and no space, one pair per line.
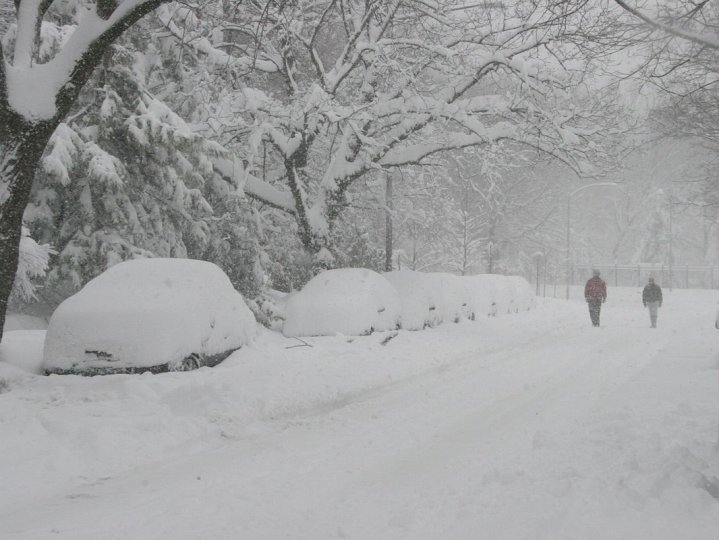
21,146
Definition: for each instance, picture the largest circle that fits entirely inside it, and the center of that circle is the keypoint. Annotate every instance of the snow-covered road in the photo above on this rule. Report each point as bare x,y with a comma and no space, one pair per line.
534,425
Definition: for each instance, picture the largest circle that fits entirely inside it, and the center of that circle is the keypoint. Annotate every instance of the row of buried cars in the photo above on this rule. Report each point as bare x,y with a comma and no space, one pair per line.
157,315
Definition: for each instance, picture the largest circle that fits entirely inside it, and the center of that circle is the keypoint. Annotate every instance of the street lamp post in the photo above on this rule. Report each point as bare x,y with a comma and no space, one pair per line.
538,256
671,242
569,225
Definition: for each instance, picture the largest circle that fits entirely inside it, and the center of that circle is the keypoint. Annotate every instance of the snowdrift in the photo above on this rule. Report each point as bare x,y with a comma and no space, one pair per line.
149,314
350,301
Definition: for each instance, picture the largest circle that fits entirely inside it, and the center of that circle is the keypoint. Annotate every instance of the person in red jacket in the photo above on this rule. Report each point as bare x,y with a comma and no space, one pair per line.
595,293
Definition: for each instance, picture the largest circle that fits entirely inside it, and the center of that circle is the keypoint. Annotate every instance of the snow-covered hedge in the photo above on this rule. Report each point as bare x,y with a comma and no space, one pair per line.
147,313
351,301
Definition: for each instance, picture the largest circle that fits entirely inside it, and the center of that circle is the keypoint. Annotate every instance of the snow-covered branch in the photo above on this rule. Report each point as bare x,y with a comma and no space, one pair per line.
94,35
29,13
355,48
415,153
32,264
47,91
201,45
704,39
234,171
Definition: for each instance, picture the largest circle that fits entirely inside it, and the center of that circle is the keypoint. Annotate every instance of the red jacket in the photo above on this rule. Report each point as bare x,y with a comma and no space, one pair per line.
595,289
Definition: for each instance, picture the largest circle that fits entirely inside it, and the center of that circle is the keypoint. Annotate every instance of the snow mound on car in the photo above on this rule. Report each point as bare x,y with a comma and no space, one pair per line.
350,301
501,291
523,293
479,296
149,312
432,298
420,296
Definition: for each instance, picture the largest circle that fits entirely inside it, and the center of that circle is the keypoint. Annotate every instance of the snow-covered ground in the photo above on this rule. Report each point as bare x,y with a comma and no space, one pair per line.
533,425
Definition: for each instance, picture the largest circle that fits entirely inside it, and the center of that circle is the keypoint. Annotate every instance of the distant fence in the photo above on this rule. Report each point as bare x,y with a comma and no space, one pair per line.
627,275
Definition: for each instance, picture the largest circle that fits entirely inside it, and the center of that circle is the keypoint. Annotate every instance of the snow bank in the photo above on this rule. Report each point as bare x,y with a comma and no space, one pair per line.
23,349
145,313
20,321
350,301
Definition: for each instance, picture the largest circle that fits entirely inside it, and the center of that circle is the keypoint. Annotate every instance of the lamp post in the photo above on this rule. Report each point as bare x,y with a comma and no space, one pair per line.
388,222
671,242
569,221
538,257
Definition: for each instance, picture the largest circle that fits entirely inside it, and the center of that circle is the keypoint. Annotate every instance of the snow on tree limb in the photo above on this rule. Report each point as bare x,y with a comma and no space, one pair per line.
414,154
28,13
382,101
233,169
33,263
214,53
47,91
354,48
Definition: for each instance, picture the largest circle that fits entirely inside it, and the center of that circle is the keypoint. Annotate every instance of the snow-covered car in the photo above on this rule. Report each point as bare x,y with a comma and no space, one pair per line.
523,295
349,301
716,320
481,293
151,315
419,296
453,296
499,289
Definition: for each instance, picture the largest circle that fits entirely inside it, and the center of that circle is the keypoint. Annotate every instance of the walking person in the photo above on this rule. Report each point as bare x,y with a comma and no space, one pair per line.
595,293
652,298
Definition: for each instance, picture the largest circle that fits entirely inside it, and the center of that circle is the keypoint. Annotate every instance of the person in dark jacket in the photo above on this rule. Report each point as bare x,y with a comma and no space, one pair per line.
652,298
595,293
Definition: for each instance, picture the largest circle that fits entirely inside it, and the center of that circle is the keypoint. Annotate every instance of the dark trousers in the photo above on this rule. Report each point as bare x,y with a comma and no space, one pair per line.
595,306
